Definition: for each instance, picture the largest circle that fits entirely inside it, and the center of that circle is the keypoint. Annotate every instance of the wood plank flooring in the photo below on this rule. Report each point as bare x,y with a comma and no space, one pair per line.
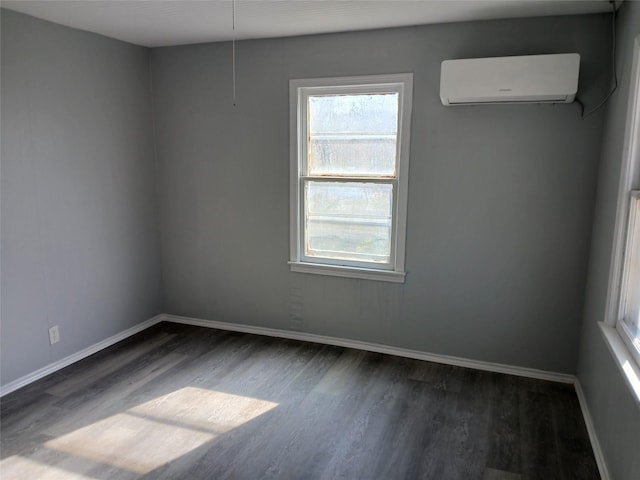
182,402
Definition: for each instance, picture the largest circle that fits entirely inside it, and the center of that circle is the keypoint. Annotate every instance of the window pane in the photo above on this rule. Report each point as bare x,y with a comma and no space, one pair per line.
631,287
348,221
353,134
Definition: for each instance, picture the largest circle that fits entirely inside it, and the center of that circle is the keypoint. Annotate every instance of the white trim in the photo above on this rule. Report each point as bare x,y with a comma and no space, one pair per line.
350,272
357,81
588,421
375,347
294,167
623,358
402,201
60,364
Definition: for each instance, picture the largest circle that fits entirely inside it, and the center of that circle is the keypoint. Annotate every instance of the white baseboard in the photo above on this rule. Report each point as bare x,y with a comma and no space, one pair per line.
374,347
340,342
595,444
430,357
53,367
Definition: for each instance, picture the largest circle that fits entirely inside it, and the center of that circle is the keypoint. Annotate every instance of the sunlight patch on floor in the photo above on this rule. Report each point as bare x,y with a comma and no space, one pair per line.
148,435
130,443
19,468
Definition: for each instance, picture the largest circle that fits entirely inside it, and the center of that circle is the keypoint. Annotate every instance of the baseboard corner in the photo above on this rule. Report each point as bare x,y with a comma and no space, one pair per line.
73,358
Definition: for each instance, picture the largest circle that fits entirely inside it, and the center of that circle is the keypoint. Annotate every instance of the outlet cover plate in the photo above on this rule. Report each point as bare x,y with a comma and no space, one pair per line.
54,334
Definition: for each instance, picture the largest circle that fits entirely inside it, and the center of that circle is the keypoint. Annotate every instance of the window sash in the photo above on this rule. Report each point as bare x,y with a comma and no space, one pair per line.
364,143
303,118
302,238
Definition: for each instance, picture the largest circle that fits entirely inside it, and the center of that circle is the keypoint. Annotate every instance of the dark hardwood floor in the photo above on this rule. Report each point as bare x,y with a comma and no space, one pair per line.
186,402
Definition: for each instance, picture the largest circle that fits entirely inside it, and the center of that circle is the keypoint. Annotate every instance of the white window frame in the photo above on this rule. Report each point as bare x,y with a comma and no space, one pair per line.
612,328
299,91
631,242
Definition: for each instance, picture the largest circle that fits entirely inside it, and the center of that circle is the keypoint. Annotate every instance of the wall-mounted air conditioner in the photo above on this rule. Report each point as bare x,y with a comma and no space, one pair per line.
522,79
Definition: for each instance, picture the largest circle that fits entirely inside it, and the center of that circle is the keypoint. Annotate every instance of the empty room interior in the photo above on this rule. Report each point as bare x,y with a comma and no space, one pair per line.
320,239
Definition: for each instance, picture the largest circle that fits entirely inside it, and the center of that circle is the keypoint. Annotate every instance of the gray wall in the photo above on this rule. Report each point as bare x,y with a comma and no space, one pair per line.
500,197
499,208
79,225
614,412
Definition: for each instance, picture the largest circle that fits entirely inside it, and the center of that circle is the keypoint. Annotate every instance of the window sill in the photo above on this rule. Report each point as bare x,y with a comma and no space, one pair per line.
626,363
349,272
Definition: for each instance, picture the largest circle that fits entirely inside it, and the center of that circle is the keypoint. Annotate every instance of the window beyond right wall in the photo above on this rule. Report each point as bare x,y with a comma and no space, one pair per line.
621,326
627,321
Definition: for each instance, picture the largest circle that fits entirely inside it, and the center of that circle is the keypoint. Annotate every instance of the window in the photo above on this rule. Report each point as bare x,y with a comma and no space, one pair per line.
628,324
349,175
621,323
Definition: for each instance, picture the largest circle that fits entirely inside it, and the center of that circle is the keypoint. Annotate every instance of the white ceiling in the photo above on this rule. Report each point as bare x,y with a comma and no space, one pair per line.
154,23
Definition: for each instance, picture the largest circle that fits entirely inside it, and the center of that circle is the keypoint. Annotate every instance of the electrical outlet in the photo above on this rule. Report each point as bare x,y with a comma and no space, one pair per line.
54,334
